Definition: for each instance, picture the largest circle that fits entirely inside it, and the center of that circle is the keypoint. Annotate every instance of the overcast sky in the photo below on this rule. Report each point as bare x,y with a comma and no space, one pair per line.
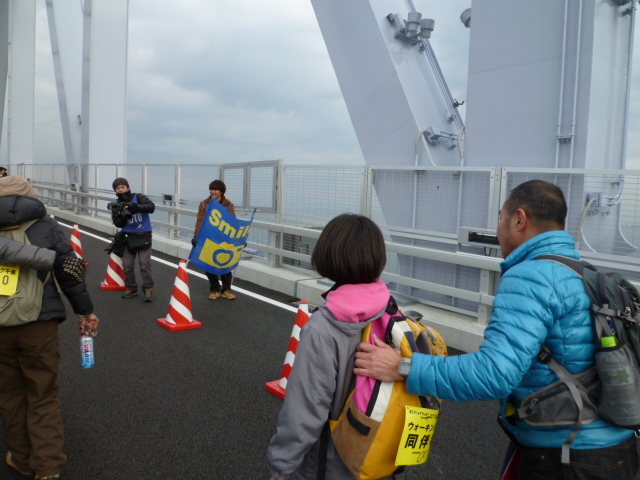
218,81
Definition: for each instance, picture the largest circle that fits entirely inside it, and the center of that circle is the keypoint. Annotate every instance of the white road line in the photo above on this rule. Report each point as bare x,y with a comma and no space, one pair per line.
200,275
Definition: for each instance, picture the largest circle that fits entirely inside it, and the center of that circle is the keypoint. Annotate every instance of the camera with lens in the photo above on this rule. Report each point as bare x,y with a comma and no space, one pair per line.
121,209
117,244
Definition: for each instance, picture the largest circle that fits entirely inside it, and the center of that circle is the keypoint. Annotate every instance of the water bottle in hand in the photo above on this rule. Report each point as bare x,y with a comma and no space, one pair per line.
86,350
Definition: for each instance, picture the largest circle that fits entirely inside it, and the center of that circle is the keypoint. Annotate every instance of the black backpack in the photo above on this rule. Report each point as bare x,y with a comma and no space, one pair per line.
611,389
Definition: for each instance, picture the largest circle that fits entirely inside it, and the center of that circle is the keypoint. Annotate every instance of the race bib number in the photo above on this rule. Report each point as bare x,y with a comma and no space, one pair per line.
9,279
417,436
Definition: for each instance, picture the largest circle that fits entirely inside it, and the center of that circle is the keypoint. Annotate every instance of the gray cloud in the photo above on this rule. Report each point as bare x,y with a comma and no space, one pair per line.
218,81
243,81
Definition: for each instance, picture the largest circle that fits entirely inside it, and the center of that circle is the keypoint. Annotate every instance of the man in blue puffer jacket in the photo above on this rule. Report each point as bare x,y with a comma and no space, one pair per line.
538,303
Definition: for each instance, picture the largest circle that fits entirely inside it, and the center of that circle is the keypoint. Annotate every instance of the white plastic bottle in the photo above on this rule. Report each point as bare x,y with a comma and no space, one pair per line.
86,350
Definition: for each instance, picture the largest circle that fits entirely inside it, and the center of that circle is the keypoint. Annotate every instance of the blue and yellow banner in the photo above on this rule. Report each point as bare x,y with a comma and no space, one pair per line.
221,240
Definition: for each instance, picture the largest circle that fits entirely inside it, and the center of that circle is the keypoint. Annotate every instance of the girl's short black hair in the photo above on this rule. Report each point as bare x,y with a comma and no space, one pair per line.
218,185
350,250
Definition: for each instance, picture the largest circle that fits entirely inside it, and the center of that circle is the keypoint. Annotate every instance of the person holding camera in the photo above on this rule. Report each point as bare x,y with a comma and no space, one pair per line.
131,214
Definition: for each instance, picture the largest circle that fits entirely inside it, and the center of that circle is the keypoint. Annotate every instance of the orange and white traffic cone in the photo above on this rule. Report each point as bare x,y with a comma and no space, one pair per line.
279,387
115,279
76,243
180,316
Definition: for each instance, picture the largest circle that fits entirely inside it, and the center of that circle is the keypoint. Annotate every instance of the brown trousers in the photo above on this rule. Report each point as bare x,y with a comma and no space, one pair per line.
29,403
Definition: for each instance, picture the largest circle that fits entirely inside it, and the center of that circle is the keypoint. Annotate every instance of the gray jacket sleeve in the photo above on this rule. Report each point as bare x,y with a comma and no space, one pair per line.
310,390
13,252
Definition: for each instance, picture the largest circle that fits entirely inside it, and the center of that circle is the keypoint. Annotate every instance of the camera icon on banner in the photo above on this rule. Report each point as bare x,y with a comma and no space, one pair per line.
220,255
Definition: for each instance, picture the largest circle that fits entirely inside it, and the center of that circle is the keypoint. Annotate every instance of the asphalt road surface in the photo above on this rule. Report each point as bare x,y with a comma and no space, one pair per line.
192,404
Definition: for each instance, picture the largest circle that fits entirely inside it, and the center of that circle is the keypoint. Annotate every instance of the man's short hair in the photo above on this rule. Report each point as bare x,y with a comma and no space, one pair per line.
543,201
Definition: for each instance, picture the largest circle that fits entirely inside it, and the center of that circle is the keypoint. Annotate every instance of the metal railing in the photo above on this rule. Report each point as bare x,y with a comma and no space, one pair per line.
421,210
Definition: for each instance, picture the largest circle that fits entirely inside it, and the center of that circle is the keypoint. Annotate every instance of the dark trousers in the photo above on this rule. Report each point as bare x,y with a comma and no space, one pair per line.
29,403
619,462
128,265
214,284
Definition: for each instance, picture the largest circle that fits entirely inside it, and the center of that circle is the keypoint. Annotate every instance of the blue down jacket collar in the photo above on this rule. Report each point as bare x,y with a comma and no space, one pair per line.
557,241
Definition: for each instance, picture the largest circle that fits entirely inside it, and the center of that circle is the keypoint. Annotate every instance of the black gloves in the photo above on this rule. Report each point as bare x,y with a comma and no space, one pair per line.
193,241
69,267
134,208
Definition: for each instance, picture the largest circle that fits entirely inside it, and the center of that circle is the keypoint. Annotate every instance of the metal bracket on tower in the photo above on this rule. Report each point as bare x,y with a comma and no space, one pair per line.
414,29
437,136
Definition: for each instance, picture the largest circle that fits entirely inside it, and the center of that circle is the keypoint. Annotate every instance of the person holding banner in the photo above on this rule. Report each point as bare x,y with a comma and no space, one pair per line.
217,189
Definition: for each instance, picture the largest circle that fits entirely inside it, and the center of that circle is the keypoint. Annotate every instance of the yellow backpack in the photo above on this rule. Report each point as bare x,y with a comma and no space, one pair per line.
383,427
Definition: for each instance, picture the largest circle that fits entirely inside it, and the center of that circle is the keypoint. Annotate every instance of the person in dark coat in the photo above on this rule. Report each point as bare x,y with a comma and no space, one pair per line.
30,352
134,219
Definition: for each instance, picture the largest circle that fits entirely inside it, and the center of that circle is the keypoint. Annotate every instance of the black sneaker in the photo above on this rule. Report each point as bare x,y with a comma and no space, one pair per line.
129,294
148,295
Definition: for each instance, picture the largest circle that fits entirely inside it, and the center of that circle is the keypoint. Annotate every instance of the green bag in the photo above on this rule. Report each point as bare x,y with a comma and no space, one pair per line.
25,304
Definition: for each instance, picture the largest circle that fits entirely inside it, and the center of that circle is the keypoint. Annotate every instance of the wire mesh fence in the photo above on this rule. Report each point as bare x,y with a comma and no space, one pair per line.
603,213
422,207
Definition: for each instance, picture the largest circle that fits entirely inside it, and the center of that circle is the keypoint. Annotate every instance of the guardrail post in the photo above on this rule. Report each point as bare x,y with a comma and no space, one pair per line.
488,279
77,199
366,199
486,287
275,238
69,198
173,217
144,178
94,201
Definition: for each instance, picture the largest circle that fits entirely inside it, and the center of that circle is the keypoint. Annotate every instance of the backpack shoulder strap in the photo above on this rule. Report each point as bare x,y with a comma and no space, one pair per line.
322,455
573,385
391,310
577,266
18,229
545,356
366,332
596,291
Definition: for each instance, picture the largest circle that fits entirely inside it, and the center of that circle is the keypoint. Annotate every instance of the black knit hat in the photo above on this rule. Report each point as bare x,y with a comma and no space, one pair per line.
218,185
120,181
